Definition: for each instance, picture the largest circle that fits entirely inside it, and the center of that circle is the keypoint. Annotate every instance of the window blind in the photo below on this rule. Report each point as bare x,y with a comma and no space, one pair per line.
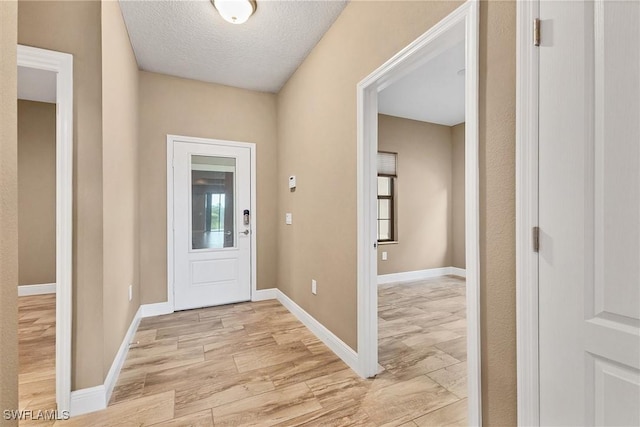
387,163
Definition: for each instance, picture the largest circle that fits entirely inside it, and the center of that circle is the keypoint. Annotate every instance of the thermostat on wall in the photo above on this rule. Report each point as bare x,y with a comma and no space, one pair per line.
292,181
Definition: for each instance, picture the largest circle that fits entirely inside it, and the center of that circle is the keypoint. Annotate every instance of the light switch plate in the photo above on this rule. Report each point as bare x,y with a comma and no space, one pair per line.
288,218
384,256
314,287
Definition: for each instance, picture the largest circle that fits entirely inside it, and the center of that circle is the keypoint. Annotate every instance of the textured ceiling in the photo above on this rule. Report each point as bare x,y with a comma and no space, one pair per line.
190,39
36,85
432,93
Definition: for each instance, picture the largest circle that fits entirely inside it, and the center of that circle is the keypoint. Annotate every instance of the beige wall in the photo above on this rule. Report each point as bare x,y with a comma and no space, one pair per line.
171,105
36,192
317,142
120,179
424,194
497,210
8,211
74,27
458,258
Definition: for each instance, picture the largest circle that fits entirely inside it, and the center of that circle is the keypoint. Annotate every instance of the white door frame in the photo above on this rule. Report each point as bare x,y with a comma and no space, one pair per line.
527,214
62,65
434,41
171,140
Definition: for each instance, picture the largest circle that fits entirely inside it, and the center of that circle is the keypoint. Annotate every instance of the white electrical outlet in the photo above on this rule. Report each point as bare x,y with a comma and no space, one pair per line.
384,256
130,292
314,287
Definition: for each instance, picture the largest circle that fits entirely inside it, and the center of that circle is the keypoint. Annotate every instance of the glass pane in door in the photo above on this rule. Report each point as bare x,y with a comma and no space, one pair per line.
212,204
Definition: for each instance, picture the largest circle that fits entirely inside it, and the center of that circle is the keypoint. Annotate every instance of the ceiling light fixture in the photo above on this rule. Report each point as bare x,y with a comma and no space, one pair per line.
235,11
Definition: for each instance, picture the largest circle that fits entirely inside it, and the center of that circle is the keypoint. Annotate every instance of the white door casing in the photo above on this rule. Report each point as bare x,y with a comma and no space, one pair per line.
588,162
62,64
211,267
463,21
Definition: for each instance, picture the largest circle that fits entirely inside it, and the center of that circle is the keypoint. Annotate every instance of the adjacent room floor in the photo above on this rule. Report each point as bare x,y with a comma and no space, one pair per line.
256,364
422,330
37,354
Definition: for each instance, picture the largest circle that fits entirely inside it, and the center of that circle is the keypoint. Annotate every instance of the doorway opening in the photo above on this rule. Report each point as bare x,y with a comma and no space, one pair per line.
45,164
406,215
421,260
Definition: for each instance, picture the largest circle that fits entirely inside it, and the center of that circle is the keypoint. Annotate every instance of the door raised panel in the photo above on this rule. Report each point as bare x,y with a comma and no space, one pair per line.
214,271
617,393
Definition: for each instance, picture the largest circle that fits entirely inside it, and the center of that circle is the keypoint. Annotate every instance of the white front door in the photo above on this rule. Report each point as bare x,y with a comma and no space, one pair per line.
589,213
212,224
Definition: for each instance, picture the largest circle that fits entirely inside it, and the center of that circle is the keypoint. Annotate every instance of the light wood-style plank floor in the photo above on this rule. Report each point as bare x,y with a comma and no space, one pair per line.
37,355
256,364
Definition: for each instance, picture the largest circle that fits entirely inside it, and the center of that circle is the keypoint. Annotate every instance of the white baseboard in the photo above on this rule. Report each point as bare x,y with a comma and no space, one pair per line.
157,309
97,398
410,276
41,289
264,294
458,271
87,400
121,356
342,350
161,308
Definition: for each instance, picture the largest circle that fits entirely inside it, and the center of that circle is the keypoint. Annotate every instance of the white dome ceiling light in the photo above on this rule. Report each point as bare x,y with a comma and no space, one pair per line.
235,11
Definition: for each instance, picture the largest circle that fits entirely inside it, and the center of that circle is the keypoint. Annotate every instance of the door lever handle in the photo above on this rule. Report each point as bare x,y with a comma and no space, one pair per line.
246,232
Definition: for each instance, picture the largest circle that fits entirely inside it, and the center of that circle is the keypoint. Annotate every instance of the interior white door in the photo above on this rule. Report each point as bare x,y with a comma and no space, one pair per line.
212,224
589,213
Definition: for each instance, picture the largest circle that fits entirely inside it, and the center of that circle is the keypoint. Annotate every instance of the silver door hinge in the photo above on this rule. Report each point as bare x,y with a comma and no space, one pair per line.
536,239
536,32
